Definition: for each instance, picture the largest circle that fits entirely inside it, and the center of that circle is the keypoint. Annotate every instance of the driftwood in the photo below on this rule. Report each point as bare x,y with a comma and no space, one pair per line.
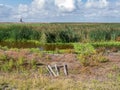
55,69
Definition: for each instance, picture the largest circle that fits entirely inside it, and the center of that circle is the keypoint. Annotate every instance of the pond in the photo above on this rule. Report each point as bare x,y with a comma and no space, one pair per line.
47,47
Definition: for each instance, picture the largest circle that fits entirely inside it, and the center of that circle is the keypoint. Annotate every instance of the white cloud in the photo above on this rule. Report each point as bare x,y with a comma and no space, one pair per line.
37,4
50,9
23,8
5,11
22,11
65,5
117,3
36,7
96,4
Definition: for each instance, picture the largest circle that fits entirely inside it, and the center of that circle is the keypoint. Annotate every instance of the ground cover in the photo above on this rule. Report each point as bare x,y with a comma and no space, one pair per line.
89,68
91,51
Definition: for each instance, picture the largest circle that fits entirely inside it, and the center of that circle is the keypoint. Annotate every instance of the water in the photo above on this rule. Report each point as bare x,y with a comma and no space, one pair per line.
46,47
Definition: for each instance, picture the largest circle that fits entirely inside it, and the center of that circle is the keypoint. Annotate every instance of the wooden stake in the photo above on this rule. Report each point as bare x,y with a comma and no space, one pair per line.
56,68
51,70
65,69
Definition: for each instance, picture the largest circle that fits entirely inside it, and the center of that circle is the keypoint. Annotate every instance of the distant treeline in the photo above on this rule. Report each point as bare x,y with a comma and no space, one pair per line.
60,33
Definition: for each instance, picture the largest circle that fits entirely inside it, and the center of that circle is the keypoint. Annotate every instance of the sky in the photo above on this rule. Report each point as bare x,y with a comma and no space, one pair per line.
60,10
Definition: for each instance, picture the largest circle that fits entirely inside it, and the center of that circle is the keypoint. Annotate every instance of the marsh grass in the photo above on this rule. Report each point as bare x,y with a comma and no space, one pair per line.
60,32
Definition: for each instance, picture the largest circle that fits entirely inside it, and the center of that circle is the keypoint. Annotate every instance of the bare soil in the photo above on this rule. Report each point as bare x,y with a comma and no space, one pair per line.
76,70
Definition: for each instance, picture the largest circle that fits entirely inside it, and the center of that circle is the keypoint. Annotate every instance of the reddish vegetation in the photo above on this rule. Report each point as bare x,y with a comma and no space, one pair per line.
76,70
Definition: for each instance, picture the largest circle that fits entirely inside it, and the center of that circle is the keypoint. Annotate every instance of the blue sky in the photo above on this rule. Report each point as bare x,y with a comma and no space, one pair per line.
60,10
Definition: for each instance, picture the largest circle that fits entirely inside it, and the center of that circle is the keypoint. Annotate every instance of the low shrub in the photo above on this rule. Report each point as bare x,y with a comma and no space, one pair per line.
8,64
88,56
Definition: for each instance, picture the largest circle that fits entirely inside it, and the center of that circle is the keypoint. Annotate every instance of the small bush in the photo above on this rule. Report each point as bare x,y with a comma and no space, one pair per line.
84,48
88,56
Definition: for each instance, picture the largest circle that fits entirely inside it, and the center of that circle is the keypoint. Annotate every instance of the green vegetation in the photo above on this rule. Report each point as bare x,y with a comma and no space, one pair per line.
26,49
8,64
106,44
88,56
84,48
60,33
24,33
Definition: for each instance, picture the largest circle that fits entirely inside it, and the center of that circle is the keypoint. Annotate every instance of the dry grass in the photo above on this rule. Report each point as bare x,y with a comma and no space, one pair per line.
106,76
35,81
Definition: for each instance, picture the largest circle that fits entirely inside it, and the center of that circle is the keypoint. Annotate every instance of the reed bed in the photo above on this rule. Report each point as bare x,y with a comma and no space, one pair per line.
60,32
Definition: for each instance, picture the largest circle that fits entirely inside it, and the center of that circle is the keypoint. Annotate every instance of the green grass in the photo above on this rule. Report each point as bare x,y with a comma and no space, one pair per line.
60,32
106,44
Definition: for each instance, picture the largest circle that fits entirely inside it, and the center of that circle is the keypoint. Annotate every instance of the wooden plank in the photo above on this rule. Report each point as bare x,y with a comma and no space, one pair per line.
51,70
56,68
65,69
60,66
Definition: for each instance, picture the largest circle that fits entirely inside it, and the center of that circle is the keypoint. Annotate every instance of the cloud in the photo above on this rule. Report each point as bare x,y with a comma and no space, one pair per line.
96,8
117,3
5,11
35,8
96,3
23,8
109,11
65,5
37,5
41,8
22,11
62,10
